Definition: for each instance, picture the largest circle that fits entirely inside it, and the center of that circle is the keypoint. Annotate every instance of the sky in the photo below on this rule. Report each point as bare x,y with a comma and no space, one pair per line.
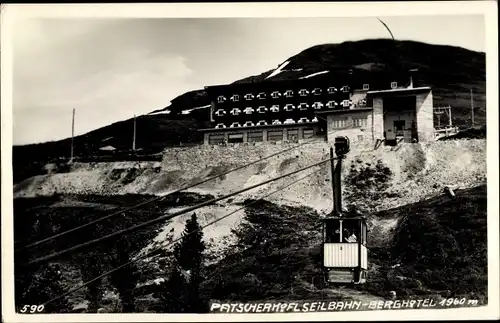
110,69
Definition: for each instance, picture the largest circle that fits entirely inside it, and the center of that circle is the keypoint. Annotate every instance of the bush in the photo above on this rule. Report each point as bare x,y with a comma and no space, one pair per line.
444,245
92,266
124,279
44,285
172,294
367,185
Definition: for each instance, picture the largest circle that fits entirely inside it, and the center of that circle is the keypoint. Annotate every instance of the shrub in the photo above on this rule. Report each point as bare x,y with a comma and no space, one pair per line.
44,285
124,279
172,294
367,184
444,245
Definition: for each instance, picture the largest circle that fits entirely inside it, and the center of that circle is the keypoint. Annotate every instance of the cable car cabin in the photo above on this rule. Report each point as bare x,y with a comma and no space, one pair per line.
345,256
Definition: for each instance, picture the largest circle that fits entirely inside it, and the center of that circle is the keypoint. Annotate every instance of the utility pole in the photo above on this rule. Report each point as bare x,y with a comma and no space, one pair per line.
334,180
72,135
337,188
133,140
342,147
472,107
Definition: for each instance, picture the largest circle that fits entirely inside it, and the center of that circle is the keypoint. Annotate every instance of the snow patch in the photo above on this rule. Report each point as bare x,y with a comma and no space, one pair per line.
314,74
173,228
278,70
190,110
160,112
255,179
158,281
107,148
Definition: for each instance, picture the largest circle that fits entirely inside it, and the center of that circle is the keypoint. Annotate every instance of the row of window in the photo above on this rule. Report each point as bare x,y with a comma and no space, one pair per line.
264,123
356,122
287,93
290,93
287,107
276,135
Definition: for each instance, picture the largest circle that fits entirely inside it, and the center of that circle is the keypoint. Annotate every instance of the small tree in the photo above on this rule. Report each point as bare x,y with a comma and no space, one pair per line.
125,279
367,185
189,255
91,266
173,293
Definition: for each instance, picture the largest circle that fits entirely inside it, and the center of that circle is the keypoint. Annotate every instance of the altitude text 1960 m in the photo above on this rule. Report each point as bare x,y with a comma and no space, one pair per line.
276,307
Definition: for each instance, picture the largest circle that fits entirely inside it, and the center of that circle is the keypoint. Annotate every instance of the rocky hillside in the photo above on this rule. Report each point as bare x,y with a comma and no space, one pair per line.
419,171
451,71
405,200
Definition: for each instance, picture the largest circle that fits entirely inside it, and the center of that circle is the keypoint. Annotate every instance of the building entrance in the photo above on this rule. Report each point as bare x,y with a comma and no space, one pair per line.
399,127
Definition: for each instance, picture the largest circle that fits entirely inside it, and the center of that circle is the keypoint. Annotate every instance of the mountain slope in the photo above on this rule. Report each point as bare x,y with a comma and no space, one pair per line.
451,71
262,259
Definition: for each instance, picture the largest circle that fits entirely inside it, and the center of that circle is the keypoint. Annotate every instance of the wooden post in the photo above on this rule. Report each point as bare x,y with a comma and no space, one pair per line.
472,106
133,140
72,135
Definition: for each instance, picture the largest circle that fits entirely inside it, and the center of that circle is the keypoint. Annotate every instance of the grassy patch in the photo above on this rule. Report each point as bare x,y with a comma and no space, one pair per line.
440,246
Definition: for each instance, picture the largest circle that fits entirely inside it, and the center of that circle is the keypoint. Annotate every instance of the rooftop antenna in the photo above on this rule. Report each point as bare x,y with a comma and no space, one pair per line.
386,27
392,36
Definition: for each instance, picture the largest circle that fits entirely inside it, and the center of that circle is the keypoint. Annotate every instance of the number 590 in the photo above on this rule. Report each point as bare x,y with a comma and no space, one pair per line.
32,309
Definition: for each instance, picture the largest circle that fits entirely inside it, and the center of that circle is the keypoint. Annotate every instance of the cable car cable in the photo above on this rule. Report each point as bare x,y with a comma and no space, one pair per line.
50,238
164,217
176,240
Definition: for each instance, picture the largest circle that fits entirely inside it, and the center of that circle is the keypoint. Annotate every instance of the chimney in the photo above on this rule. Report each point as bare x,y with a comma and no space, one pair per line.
411,77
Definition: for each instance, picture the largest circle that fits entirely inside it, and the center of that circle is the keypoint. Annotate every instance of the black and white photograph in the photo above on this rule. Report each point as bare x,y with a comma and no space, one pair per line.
328,161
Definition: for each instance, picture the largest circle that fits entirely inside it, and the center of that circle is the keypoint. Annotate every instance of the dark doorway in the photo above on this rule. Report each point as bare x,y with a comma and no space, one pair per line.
399,127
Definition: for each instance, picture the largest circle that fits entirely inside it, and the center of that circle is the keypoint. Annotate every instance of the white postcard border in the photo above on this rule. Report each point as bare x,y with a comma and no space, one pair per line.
274,10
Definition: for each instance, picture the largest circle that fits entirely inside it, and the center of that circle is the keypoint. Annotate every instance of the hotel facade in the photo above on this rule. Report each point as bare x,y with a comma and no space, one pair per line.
322,108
